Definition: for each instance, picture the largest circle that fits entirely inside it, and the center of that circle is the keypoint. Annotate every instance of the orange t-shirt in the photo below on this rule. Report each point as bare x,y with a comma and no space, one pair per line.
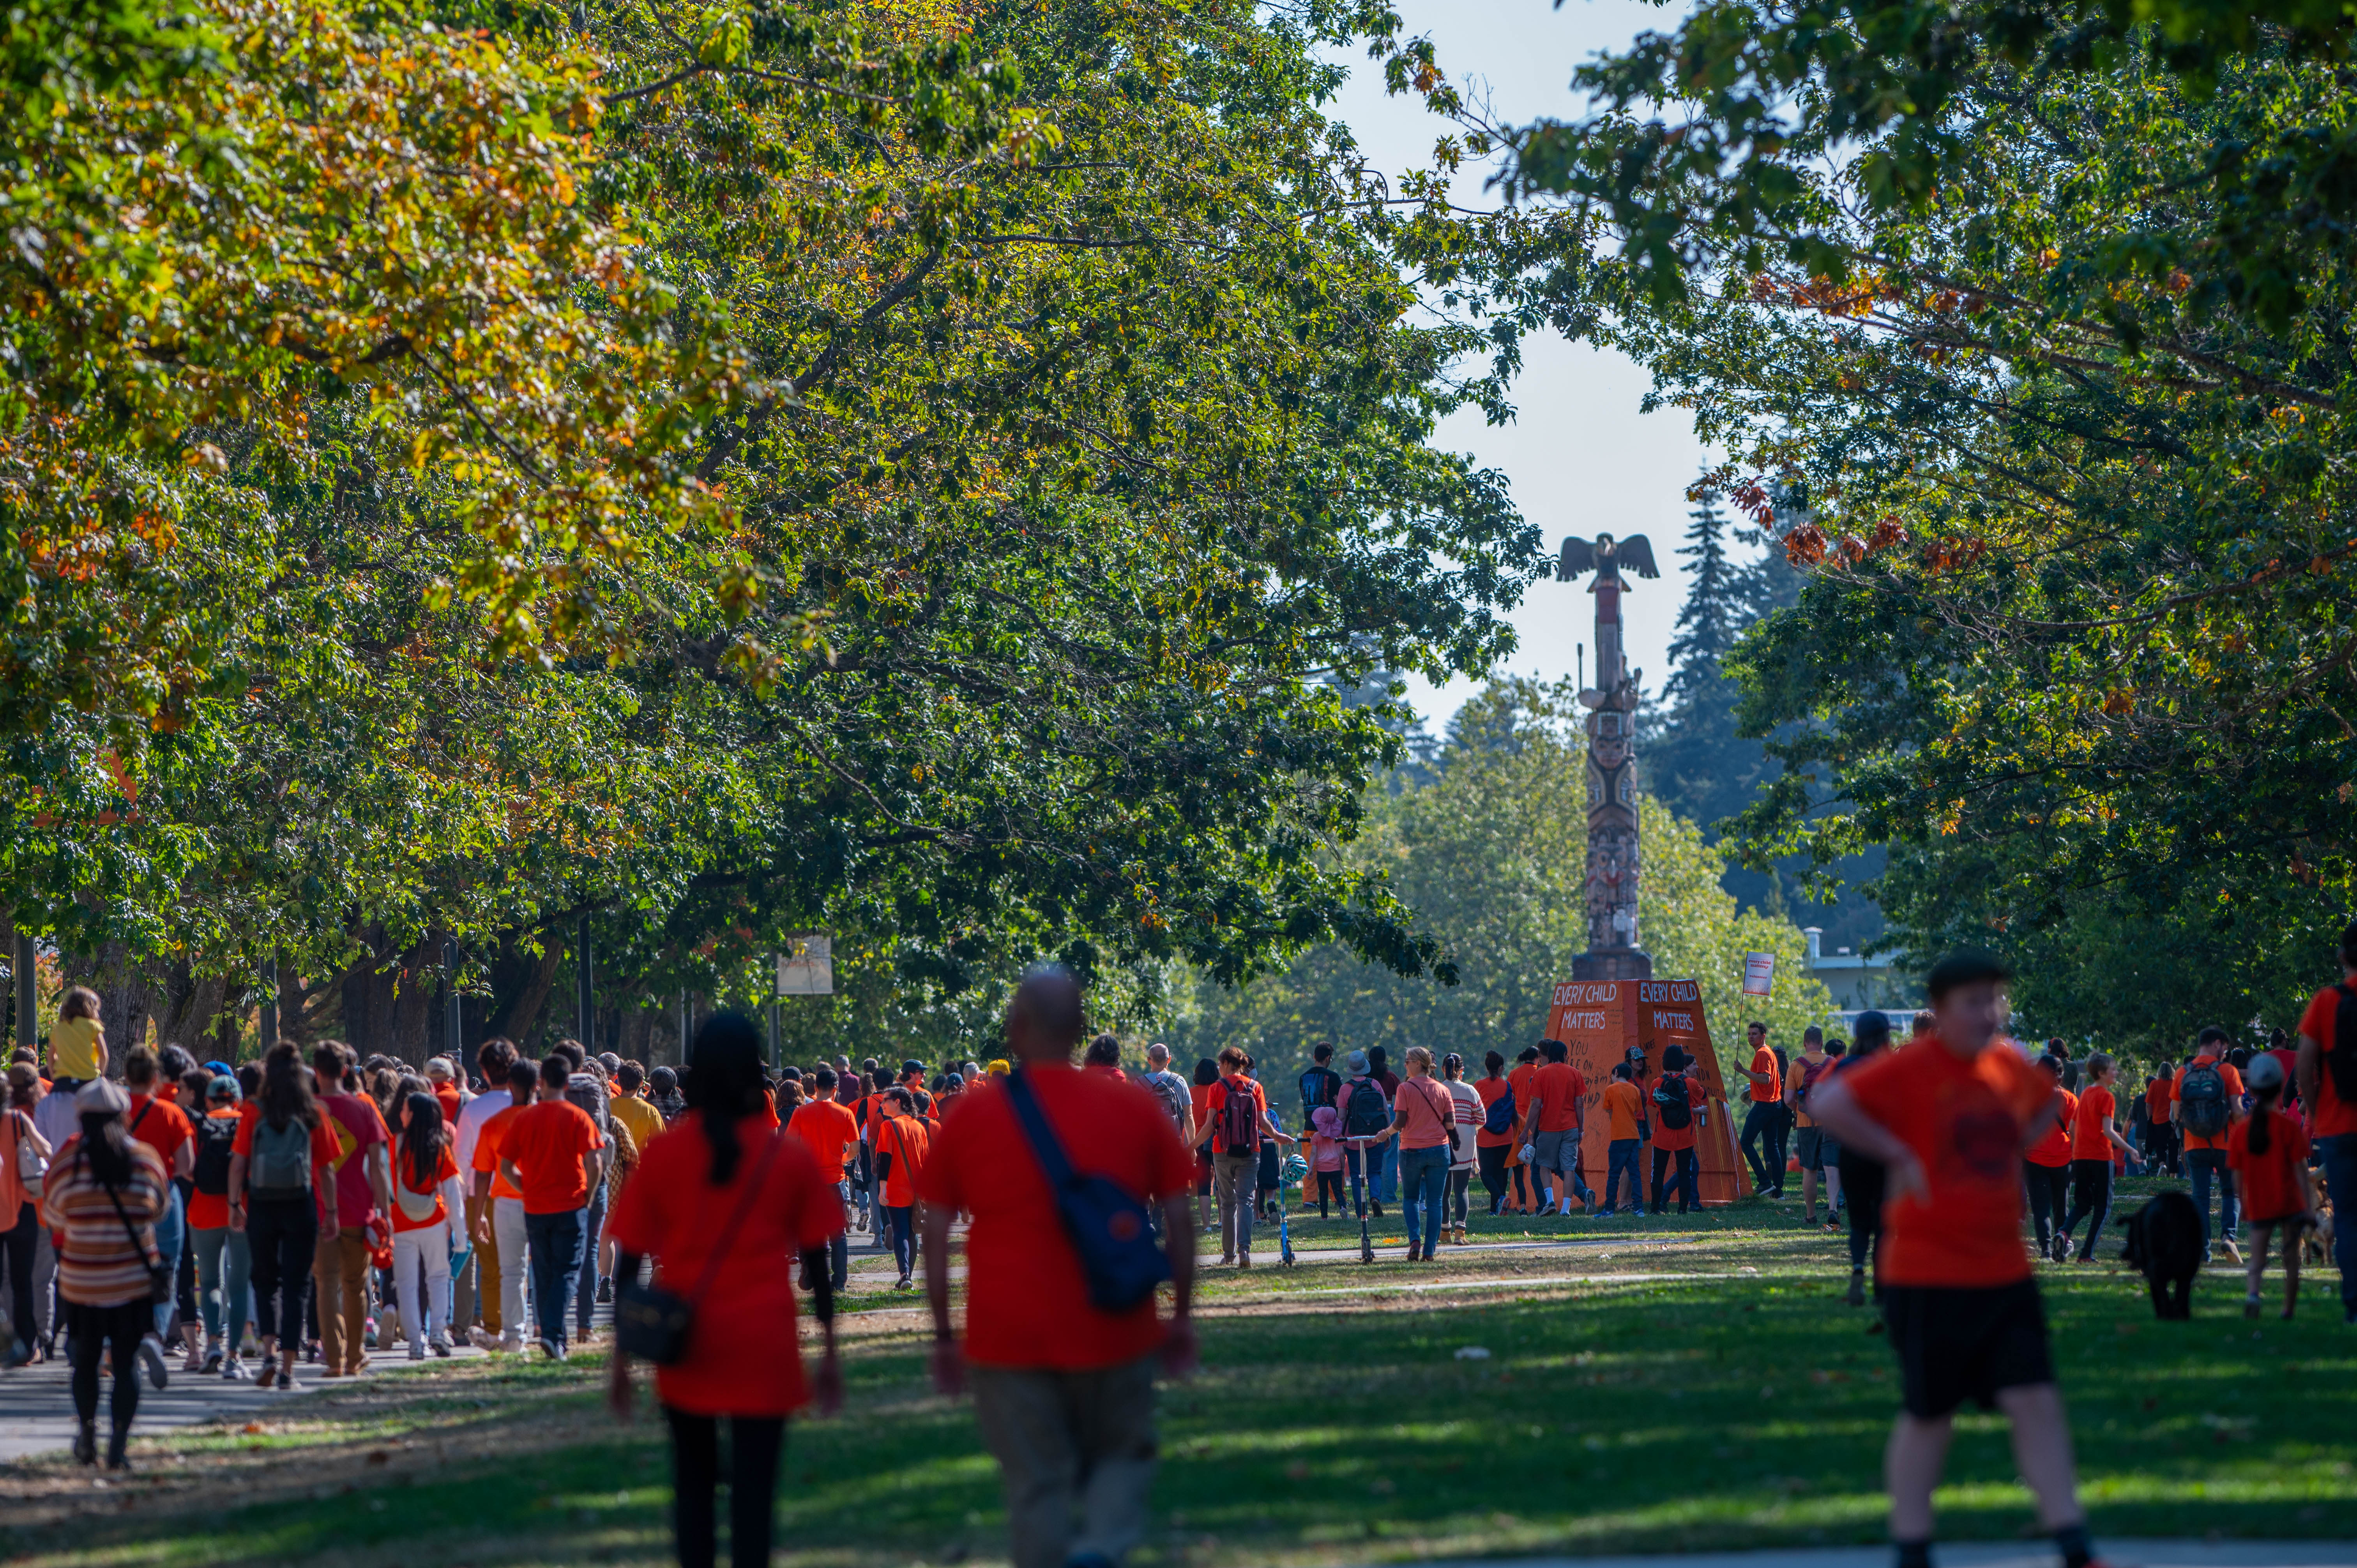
2233,1081
1672,1139
1519,1079
829,1130
905,1139
2271,1188
549,1144
2054,1149
160,1124
487,1150
1215,1103
1491,1089
447,1097
210,1210
744,1357
1764,1061
2330,1116
1963,1118
2157,1096
2087,1140
1623,1104
401,1178
1426,1113
1027,1301
1557,1087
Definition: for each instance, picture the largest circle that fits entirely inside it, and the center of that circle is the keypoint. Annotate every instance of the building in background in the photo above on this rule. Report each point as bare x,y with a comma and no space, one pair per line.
1860,984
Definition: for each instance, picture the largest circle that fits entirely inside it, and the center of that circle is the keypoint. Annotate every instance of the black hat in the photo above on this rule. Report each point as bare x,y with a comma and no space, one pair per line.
1872,1031
1965,966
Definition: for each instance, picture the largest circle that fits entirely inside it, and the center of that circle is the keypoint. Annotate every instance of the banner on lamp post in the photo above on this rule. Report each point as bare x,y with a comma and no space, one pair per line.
807,968
1758,972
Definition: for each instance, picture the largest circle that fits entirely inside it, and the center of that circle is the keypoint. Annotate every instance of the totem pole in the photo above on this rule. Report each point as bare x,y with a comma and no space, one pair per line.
1612,856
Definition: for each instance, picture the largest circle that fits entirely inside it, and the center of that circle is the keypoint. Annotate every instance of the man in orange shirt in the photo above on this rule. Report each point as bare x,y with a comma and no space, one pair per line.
902,1143
1063,1389
552,1154
2209,1101
1550,1127
1764,1122
156,1120
832,1132
498,1205
1950,1119
2326,1069
1624,1110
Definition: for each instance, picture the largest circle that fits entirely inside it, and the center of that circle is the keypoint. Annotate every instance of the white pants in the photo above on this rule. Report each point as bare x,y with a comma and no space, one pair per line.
423,1256
507,1225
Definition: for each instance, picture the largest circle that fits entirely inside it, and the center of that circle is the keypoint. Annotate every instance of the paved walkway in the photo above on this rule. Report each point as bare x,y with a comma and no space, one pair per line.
39,1400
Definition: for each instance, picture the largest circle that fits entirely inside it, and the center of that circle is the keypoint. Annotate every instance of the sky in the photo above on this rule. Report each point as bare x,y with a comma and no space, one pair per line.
1580,458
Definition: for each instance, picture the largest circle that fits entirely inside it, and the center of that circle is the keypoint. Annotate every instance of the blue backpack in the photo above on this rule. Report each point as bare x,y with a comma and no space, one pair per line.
1106,1225
1499,1117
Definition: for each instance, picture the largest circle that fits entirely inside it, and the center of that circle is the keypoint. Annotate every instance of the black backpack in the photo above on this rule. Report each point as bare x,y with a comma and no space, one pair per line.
1670,1098
2201,1100
1365,1113
1319,1085
216,1140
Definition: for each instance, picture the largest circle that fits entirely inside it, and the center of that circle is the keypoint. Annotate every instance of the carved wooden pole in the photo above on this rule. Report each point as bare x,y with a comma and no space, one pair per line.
1614,857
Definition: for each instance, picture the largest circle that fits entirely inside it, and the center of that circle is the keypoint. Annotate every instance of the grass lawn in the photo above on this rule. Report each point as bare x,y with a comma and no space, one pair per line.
1655,1385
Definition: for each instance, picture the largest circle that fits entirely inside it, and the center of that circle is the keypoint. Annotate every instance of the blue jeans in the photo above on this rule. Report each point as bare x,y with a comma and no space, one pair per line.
902,1224
225,1261
2340,1153
1424,1175
1386,1182
1362,1164
2206,1165
171,1234
555,1241
584,1283
1620,1156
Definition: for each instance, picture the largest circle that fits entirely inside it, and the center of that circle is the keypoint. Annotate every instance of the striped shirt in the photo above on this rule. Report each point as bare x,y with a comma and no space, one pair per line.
97,1263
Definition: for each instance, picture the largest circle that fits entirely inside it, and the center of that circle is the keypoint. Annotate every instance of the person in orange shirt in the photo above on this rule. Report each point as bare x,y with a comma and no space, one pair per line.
1950,1118
1063,1389
900,1141
1524,1194
1673,1130
2095,1137
2160,1141
497,1204
2048,1167
2202,1118
555,1156
832,1133
156,1120
1764,1122
1551,1126
2268,1154
1624,1112
2325,1070
1491,1149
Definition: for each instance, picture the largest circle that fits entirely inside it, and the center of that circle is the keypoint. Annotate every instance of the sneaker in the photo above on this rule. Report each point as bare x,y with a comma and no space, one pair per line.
482,1339
286,1383
551,1350
151,1357
1227,1260
439,1345
605,1293
416,1351
1244,1260
512,1344
232,1369
85,1443
1857,1287
1412,1254
268,1377
194,1362
2251,1306
213,1360
904,1283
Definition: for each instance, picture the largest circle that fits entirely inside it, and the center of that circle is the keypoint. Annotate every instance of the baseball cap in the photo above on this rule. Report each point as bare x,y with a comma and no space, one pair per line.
101,1095
222,1087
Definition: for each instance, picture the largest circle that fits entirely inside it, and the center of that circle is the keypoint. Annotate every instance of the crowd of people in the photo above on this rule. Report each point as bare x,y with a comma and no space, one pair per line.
304,1210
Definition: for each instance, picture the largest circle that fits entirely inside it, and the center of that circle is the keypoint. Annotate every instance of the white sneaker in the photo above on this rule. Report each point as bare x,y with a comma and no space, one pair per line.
482,1339
151,1357
232,1370
512,1343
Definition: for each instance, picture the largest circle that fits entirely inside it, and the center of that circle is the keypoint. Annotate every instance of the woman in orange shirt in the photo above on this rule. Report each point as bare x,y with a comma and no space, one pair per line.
726,1205
2095,1137
2048,1165
1492,1149
1525,1196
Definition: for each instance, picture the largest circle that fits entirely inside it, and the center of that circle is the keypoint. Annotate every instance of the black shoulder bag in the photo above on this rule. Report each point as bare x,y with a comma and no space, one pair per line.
653,1324
1107,1227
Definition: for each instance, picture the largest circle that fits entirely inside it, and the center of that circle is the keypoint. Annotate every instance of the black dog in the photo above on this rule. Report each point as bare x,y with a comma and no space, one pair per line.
2165,1244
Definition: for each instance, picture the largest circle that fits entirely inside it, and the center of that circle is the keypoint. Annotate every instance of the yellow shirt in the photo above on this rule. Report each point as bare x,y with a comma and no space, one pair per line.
73,1048
640,1117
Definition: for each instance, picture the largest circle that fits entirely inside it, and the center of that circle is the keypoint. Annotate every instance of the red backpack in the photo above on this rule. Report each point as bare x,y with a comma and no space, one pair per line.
1239,1120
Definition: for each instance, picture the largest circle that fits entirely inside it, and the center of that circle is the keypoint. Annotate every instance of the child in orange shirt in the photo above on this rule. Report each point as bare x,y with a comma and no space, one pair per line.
1950,1118
2266,1153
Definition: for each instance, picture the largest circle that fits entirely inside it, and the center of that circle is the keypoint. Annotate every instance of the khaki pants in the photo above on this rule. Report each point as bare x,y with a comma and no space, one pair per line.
1067,1438
339,1272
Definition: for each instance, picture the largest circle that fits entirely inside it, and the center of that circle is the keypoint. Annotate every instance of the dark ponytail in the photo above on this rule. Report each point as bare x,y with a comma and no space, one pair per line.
724,1086
2262,1112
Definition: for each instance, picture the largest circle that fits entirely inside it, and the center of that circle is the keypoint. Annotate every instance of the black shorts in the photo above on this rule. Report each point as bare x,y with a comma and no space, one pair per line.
1958,1342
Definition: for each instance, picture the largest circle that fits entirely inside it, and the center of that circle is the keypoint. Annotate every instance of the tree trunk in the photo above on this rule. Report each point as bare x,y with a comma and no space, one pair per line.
520,986
122,997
